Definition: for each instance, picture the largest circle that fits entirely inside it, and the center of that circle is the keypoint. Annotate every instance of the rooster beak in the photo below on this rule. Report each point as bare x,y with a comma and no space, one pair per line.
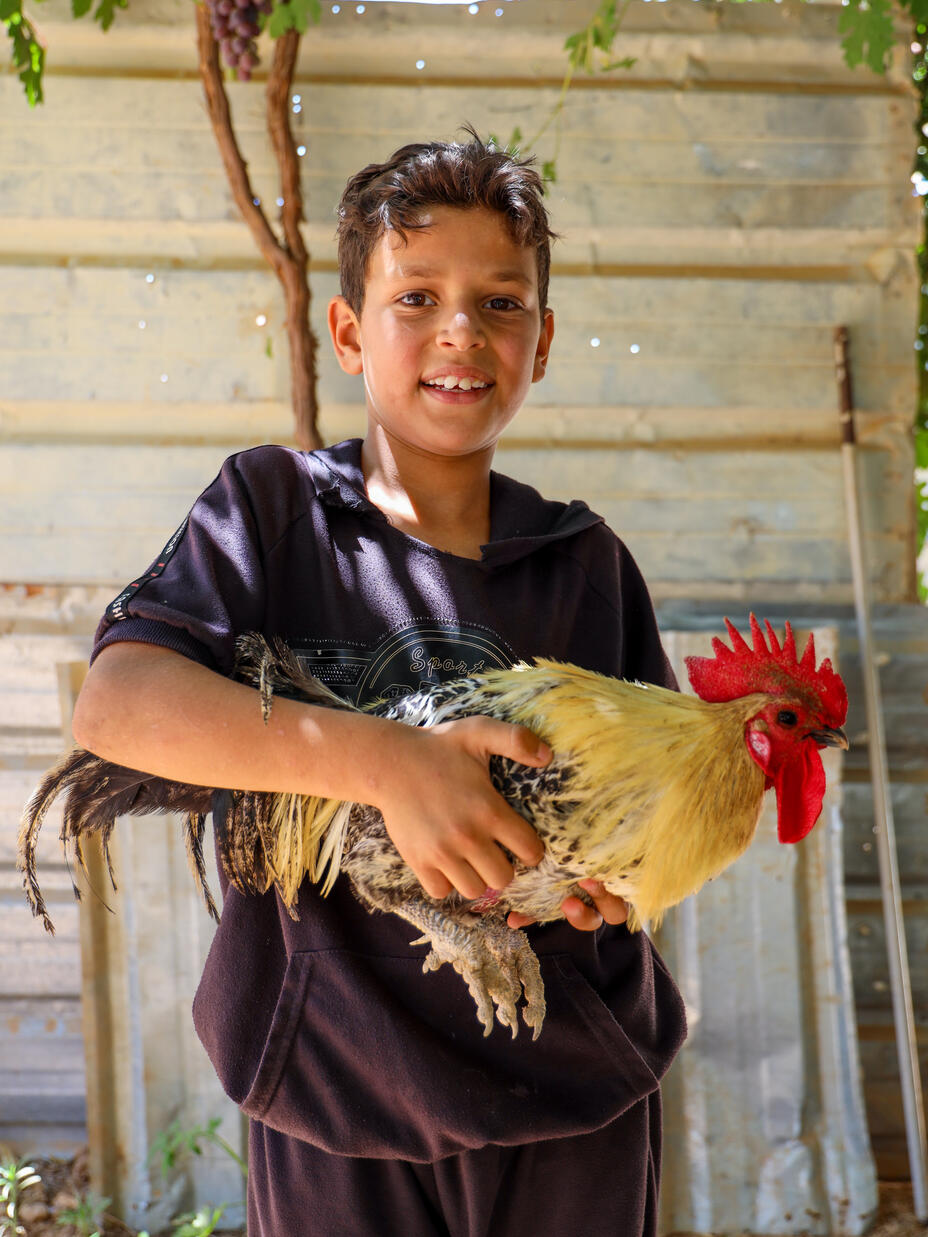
830,736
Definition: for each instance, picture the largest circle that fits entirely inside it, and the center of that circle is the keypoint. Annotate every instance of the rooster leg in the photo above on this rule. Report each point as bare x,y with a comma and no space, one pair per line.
496,962
515,956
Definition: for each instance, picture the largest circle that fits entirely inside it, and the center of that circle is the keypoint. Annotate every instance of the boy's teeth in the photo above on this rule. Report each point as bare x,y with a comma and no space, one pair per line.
463,384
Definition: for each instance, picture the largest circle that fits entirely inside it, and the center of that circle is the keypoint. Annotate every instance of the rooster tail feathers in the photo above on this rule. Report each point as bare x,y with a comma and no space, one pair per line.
194,828
97,793
56,780
274,669
308,837
263,839
329,857
301,834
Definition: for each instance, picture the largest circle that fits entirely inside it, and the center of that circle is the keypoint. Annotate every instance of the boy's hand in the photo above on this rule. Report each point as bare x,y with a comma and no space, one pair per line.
443,813
607,907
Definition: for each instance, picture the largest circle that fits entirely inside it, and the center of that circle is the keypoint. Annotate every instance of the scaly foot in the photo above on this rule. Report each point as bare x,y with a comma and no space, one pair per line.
496,962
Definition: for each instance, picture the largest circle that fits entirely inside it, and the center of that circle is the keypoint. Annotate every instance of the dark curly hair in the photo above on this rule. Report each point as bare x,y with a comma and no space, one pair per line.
396,194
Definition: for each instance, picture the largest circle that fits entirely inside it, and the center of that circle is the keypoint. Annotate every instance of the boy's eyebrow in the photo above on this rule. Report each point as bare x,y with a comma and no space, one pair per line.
426,272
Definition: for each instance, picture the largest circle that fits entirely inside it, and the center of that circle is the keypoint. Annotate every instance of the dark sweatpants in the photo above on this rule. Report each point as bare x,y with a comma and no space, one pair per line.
560,1187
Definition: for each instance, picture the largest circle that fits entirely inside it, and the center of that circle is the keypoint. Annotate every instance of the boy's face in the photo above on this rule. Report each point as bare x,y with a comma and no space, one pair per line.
458,301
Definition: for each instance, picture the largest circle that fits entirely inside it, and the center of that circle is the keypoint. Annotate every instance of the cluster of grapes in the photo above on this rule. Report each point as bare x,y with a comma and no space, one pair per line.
235,28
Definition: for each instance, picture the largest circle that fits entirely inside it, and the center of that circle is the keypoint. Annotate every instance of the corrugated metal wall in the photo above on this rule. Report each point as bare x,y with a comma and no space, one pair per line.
724,204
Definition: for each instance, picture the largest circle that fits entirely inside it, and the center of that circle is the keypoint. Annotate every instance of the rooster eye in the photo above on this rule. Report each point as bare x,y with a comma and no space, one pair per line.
786,717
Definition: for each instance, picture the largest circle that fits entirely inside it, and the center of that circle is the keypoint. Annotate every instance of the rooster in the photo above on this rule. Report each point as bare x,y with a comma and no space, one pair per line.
649,791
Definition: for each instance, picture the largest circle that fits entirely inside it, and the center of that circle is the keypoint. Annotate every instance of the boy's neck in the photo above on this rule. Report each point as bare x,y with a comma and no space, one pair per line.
444,501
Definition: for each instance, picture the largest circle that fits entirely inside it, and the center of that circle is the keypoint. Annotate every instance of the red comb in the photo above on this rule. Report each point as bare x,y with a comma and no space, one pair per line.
774,669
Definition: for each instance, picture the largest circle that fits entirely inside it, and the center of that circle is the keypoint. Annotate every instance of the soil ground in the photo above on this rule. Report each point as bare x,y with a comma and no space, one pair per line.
64,1182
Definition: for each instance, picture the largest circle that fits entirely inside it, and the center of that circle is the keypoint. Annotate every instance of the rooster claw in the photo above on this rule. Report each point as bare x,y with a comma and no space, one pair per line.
496,962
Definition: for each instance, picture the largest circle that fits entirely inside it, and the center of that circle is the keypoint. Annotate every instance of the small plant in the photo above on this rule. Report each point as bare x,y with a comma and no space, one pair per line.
198,1223
87,1215
14,1178
177,1139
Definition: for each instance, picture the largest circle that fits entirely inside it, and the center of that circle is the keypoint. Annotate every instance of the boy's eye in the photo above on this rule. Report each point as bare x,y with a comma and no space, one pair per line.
503,302
415,299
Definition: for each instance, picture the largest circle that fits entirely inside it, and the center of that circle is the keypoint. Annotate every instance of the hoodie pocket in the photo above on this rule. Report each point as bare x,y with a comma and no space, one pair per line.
366,1057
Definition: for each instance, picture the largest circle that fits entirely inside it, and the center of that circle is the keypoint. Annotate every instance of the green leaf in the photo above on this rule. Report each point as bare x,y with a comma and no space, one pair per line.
604,25
918,9
619,64
280,21
599,34
107,11
80,7
8,8
549,171
869,35
28,55
293,15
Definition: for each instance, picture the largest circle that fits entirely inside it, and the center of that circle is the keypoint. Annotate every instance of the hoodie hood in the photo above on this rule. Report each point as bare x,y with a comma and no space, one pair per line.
521,521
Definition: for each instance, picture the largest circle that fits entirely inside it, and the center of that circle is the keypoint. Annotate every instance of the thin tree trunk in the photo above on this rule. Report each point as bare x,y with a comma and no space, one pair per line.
289,259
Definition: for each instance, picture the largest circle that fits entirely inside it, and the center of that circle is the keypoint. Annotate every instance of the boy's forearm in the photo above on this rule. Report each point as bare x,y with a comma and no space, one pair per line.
149,708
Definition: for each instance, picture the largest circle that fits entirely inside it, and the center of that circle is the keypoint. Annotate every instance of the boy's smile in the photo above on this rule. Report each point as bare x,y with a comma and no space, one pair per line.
450,337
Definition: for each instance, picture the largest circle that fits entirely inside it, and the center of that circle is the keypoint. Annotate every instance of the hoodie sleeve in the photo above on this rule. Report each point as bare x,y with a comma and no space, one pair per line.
643,656
205,587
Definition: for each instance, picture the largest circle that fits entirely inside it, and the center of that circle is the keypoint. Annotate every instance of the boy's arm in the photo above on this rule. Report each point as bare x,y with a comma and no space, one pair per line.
146,707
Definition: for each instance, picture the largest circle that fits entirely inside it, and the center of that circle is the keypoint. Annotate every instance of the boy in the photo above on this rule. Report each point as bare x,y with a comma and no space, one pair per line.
377,1105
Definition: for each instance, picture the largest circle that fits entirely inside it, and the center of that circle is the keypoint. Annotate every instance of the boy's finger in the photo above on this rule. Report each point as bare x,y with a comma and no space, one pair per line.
469,882
492,867
517,742
577,913
612,908
435,884
518,836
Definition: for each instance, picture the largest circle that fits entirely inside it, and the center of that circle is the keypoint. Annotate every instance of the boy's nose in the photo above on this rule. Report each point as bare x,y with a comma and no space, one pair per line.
461,331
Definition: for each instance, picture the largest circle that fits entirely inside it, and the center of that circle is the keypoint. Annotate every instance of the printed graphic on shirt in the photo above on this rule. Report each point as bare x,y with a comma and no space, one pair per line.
116,610
419,655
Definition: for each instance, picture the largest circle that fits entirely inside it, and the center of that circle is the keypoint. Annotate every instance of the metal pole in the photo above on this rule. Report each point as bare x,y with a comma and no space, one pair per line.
900,984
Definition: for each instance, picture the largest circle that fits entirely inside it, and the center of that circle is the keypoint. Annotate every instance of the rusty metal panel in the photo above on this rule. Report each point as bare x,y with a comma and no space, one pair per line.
765,1124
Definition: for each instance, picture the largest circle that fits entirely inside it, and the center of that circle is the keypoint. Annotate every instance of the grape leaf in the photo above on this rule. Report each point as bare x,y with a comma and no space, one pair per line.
28,53
293,15
918,9
280,21
869,36
107,11
80,7
600,33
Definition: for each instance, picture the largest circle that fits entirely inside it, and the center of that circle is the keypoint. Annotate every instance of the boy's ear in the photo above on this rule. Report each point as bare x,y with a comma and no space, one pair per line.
346,335
544,346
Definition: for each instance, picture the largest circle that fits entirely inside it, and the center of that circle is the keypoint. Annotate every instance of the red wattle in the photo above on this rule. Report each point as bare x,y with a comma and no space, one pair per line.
800,786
